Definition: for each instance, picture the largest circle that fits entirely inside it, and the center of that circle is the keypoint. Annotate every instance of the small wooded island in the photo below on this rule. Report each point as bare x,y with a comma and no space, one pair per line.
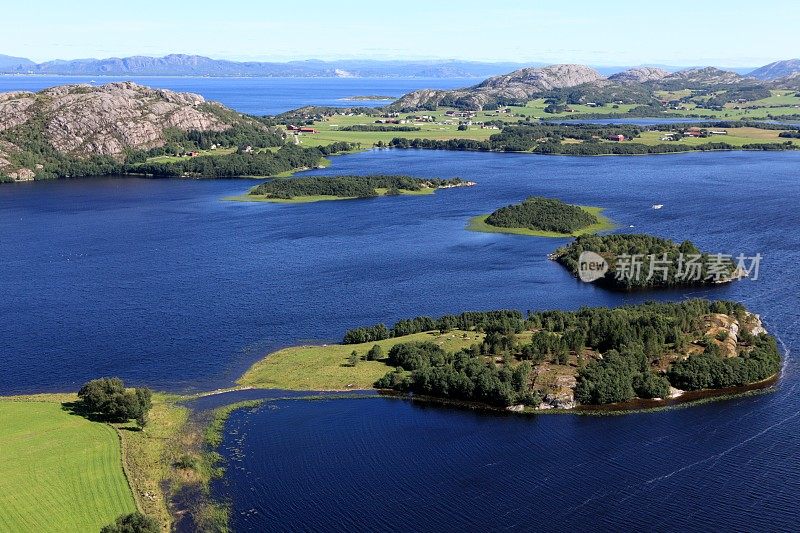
319,188
542,217
541,360
639,261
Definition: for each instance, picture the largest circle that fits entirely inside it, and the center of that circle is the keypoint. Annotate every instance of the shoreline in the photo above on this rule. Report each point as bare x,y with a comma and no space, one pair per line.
169,466
290,173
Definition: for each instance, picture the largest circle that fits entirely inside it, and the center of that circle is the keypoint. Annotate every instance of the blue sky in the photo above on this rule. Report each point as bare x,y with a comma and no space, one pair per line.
616,32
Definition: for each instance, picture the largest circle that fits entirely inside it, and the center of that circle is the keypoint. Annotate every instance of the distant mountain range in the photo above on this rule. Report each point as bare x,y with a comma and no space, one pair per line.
195,65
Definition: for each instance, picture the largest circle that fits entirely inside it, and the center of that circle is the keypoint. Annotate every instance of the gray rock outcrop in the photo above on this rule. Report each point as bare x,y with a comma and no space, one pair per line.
82,121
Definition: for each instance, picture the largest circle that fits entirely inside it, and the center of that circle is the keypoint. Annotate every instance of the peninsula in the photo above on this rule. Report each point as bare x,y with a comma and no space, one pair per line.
545,360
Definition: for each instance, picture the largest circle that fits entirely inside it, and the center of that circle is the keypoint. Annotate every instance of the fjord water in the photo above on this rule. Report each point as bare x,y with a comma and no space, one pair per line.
259,96
164,284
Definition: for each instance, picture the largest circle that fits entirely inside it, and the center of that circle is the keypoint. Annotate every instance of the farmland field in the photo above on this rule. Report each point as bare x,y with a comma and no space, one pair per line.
60,472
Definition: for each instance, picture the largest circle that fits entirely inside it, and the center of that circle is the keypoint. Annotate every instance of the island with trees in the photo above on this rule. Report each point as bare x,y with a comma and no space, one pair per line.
542,360
319,188
639,261
542,217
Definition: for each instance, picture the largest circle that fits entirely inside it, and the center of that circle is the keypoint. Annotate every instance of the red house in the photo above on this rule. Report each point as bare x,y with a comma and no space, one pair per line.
618,138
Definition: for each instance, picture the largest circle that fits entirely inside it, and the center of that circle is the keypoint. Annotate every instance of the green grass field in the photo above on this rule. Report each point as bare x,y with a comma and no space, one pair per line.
535,109
329,131
478,223
777,99
735,137
60,472
325,367
777,104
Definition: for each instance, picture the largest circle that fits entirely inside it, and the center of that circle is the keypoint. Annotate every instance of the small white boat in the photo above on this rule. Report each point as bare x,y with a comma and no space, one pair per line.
658,206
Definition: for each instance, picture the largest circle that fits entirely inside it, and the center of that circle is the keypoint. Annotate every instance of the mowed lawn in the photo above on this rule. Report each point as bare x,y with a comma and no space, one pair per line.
59,472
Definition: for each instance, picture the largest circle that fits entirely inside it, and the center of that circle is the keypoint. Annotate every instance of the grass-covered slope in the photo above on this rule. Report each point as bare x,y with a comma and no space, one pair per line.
60,472
329,367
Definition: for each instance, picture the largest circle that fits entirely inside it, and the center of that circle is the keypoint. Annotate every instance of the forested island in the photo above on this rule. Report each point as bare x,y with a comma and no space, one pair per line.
541,360
317,188
543,217
639,261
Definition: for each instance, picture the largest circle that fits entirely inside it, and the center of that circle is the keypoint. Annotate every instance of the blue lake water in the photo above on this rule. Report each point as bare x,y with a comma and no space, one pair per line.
162,283
260,96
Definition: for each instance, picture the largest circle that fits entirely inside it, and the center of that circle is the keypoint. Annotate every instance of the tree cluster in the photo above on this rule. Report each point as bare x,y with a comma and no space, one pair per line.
257,163
472,320
611,247
710,371
546,214
108,399
463,375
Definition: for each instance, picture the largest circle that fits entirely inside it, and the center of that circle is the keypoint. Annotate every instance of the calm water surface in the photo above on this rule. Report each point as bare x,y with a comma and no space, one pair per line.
260,96
160,282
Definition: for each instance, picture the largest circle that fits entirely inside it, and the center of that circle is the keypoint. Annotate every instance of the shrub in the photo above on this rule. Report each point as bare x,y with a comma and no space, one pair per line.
133,523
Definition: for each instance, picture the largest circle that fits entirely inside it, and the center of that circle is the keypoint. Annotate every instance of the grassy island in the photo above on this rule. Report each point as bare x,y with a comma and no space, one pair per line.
672,264
543,217
540,360
320,188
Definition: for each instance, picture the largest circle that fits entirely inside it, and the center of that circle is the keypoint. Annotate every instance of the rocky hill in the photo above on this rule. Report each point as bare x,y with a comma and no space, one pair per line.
639,75
519,85
792,81
580,84
81,122
701,78
778,69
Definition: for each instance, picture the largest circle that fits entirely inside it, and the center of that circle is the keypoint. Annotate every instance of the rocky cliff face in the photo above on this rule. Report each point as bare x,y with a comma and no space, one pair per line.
81,121
521,84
